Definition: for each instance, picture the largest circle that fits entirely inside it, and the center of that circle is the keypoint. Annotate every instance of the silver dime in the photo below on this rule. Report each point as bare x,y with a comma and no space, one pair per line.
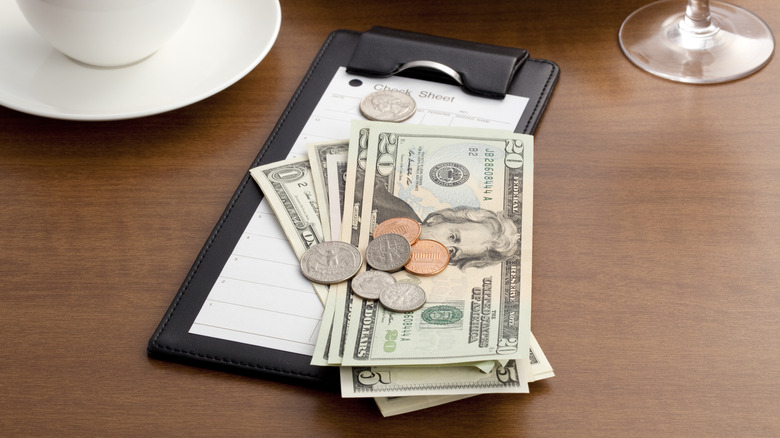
402,297
331,262
388,252
369,284
388,106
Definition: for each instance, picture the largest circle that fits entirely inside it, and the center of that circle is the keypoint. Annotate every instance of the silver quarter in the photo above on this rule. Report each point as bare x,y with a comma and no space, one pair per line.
368,284
402,297
388,252
388,106
331,262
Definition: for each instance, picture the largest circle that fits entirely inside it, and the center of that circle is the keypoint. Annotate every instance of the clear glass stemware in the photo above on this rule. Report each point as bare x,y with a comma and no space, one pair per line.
708,42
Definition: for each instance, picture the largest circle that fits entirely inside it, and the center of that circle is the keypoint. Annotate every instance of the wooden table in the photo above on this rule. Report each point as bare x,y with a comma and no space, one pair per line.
656,247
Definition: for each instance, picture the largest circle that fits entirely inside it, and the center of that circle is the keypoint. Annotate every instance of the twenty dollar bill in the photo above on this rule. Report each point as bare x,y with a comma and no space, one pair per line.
472,191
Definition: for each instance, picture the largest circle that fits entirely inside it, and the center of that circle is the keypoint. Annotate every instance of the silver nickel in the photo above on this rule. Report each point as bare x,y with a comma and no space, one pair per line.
388,252
368,284
331,262
402,297
388,106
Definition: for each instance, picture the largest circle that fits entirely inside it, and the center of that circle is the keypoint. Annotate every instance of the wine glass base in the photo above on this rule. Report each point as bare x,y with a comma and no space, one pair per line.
740,44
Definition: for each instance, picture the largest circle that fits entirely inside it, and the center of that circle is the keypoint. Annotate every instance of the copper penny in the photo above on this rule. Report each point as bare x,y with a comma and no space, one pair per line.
409,228
429,257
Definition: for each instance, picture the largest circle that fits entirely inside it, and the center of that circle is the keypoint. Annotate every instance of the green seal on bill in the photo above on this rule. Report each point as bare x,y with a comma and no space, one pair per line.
442,315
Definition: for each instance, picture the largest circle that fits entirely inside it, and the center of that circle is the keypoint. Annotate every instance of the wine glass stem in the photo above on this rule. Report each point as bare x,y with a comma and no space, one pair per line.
697,17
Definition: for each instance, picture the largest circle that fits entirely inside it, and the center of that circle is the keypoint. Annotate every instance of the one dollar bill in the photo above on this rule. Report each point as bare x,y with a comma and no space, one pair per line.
288,187
325,179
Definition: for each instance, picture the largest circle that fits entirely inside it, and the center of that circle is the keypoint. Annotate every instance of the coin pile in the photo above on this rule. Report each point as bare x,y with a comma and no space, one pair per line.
396,245
425,257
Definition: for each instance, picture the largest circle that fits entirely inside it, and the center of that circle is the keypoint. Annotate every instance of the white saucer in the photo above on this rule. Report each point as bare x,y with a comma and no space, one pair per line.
219,44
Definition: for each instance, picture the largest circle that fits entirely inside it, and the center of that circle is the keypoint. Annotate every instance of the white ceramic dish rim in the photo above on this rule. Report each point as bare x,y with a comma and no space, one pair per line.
221,42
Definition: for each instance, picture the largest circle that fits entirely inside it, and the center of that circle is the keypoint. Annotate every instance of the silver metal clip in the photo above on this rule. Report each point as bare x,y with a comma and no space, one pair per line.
431,65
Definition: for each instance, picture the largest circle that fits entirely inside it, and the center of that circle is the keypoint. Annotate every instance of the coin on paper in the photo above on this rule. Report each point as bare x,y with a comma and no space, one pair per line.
404,226
368,284
402,297
429,257
388,252
388,106
331,262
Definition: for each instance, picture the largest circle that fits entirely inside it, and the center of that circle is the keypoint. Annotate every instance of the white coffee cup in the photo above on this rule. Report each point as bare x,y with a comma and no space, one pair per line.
106,33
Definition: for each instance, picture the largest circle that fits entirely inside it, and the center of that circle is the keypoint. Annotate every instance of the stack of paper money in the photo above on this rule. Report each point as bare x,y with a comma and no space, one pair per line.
472,191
